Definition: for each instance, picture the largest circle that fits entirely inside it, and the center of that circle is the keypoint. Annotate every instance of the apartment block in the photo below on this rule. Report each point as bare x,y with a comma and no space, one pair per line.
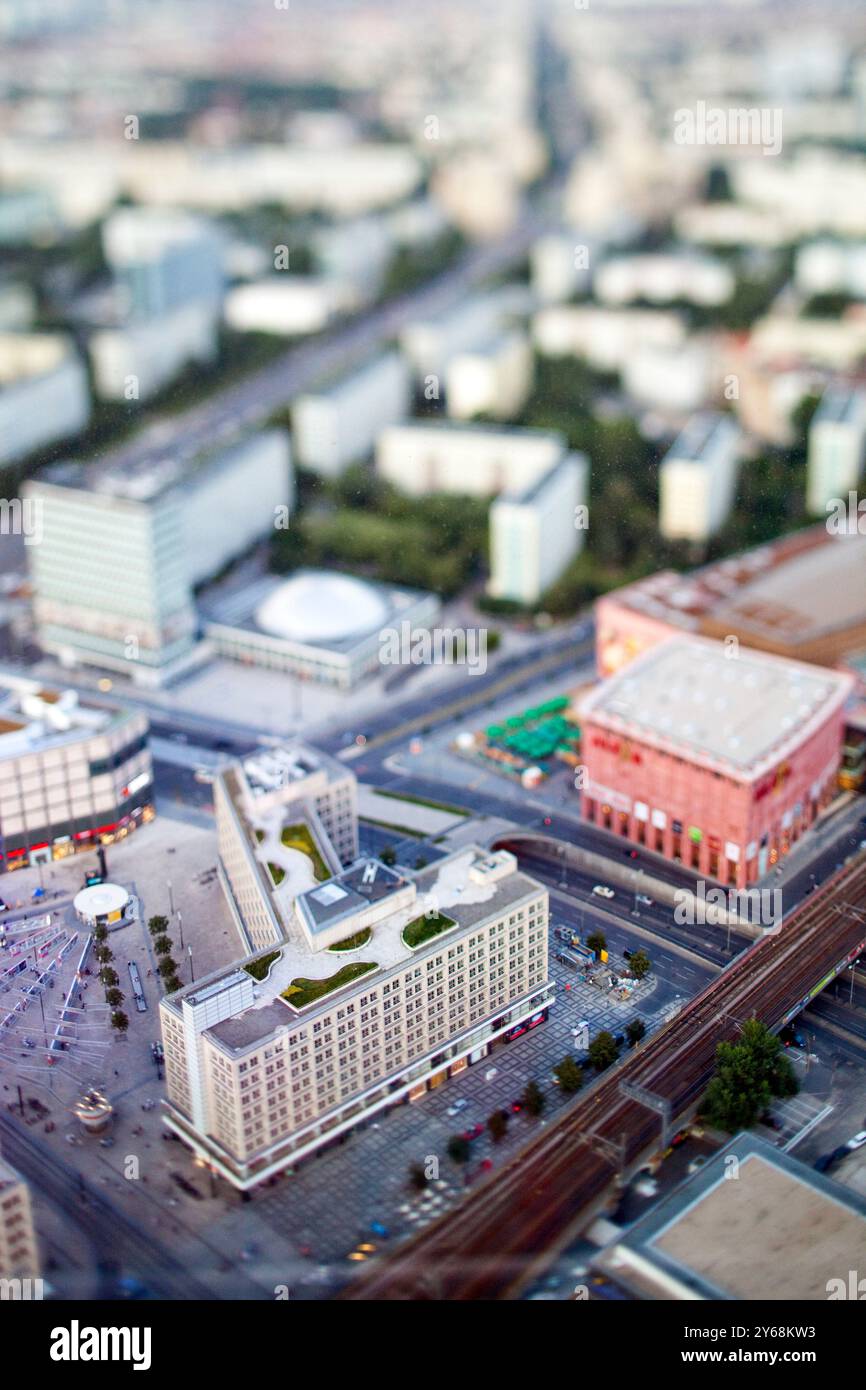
837,448
44,394
386,985
537,531
698,478
338,425
474,460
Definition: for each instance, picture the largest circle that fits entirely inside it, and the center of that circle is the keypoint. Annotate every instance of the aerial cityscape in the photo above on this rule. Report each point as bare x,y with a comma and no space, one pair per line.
433,657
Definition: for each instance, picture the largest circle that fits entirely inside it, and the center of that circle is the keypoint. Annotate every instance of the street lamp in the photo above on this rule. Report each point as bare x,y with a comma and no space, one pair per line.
191,972
180,927
170,899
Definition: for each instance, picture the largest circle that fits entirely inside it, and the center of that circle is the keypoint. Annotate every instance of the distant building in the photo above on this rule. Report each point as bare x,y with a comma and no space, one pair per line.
318,625
123,547
19,1251
556,267
73,774
478,460
697,478
284,304
430,344
831,267
168,283
27,217
674,379
493,378
535,532
718,762
803,596
44,393
338,425
837,448
663,278
384,986
605,337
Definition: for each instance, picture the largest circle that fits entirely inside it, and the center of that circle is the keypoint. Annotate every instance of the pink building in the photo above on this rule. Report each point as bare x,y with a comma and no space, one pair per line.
719,759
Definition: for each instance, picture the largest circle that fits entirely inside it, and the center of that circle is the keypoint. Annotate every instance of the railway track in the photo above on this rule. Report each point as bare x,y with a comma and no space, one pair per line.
513,1224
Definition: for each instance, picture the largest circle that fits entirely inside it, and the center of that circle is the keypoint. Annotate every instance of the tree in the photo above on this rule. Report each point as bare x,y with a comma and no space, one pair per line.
119,1021
388,856
635,1031
172,983
157,925
533,1098
100,932
109,976
114,997
749,1073
597,941
417,1176
103,954
603,1051
640,964
163,945
569,1075
498,1125
167,967
458,1149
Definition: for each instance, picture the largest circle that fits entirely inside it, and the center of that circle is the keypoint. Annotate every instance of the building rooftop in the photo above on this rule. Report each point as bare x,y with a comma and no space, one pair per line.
698,440
33,717
368,881
779,1232
744,713
839,405
796,588
531,493
287,763
468,887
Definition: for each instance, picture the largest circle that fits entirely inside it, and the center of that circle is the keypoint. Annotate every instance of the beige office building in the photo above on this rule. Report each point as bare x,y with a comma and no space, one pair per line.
19,1254
385,985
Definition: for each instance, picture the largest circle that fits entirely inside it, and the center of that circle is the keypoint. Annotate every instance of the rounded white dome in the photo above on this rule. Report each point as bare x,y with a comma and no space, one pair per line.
321,608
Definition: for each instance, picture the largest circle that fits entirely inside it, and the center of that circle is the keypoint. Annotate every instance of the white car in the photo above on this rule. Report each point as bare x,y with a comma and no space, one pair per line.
602,891
456,1108
858,1141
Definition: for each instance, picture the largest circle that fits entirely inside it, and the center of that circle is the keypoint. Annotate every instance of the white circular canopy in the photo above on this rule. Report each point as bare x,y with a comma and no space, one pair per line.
100,900
321,608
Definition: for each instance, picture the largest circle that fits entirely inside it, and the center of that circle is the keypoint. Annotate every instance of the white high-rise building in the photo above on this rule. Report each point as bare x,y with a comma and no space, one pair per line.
44,394
697,478
493,378
536,532
123,546
339,425
837,447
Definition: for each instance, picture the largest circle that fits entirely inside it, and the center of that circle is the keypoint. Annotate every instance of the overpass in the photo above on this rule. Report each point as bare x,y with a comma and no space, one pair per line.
510,1227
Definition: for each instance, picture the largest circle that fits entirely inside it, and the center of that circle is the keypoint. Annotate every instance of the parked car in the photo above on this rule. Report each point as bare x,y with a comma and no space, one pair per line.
858,1141
457,1107
601,890
473,1132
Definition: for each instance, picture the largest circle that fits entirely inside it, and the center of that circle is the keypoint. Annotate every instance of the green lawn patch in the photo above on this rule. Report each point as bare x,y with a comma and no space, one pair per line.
351,943
298,837
422,929
260,835
302,992
259,968
277,874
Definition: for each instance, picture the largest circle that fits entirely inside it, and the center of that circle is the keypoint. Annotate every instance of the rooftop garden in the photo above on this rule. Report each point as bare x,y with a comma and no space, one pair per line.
302,992
298,837
277,874
259,968
351,943
422,929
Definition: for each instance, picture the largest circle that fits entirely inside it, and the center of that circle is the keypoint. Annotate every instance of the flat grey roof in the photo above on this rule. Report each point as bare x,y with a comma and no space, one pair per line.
779,1231
690,693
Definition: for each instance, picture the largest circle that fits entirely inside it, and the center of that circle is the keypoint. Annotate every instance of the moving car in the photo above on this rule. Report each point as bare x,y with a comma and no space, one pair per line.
858,1141
601,890
457,1107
